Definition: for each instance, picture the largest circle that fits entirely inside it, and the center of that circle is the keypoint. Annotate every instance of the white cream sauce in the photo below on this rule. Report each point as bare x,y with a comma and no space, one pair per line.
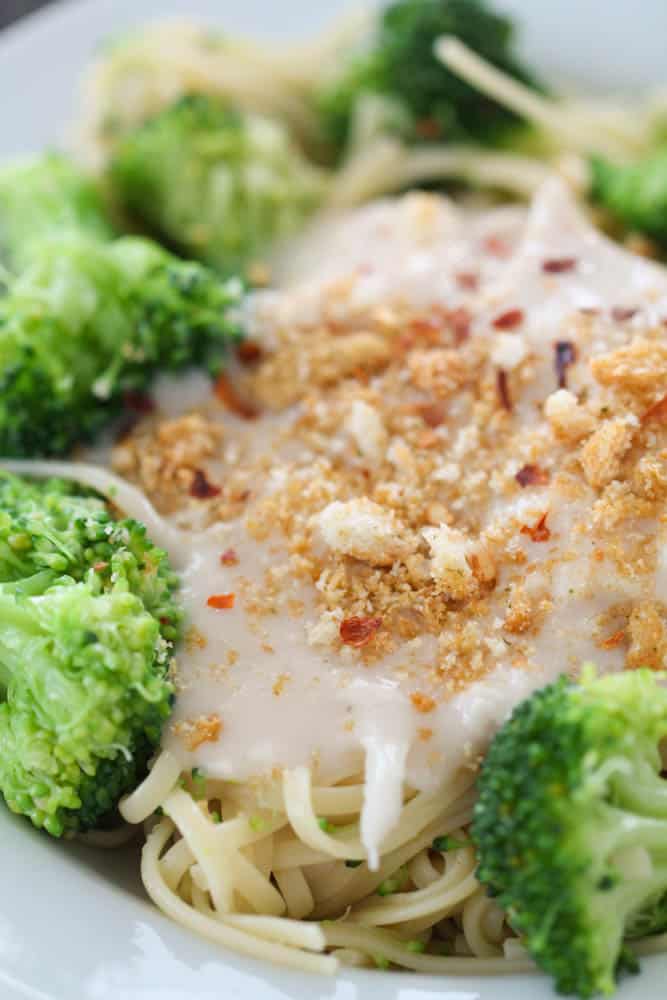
331,711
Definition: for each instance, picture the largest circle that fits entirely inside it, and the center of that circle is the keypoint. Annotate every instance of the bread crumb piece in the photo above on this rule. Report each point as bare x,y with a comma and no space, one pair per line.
365,530
568,419
204,729
640,366
648,637
324,632
449,565
508,351
602,455
365,425
422,702
439,371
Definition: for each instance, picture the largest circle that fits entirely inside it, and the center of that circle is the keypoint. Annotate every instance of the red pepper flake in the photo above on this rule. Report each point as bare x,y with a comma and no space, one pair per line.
565,355
249,352
614,640
229,558
458,321
358,632
230,398
559,265
509,320
139,402
428,128
433,414
496,246
468,281
622,313
99,567
657,412
539,531
422,702
221,602
532,475
503,390
201,488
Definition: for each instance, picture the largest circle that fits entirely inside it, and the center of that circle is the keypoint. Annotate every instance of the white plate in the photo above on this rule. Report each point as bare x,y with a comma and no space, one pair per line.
74,923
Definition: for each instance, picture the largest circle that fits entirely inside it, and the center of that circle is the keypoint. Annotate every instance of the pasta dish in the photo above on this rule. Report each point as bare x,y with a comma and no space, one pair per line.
387,398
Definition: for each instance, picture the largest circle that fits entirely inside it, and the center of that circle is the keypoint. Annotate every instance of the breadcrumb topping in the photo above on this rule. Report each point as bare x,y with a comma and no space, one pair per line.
434,465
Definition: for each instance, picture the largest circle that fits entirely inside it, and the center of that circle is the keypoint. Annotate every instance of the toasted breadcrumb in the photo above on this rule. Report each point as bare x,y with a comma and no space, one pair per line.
602,455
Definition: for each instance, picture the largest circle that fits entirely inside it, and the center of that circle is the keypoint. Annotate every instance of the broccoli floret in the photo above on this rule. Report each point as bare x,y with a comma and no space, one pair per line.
87,620
634,195
571,824
425,101
215,184
87,322
45,196
54,528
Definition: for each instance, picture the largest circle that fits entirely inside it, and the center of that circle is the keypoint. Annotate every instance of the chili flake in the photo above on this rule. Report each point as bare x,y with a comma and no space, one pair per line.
201,488
468,281
433,414
509,320
565,355
221,601
359,632
539,531
503,390
229,397
657,412
614,640
139,402
229,558
496,246
249,352
559,265
532,475
458,321
622,313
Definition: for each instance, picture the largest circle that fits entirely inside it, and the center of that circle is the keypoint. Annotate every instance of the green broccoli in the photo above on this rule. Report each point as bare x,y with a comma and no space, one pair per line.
87,621
423,100
634,195
54,528
45,196
216,184
571,824
87,322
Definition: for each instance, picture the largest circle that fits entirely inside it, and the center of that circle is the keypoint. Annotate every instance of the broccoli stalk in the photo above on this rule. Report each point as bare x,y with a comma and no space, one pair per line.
634,195
87,619
45,196
571,824
214,183
423,100
87,322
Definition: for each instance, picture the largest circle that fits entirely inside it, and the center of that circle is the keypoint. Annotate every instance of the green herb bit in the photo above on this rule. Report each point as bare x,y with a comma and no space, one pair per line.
445,844
417,947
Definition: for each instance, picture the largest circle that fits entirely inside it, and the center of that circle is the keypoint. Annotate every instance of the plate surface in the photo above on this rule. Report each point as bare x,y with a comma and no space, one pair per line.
74,923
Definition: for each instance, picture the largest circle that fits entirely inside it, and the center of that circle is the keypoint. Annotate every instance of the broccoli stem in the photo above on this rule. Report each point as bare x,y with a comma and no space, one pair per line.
647,796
